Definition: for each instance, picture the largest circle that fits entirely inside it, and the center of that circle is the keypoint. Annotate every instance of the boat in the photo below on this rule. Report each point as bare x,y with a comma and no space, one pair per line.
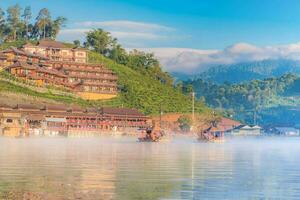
154,136
212,134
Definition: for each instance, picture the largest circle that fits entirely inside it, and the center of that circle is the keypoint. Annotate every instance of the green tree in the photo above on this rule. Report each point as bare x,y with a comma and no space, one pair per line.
2,24
13,19
185,123
76,43
26,18
118,54
43,21
55,26
100,41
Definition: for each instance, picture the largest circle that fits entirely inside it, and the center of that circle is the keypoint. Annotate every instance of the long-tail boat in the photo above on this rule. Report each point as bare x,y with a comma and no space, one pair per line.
212,134
152,136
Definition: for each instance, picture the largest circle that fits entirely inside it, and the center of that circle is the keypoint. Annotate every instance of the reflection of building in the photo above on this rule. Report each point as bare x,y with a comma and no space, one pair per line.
89,81
57,51
72,121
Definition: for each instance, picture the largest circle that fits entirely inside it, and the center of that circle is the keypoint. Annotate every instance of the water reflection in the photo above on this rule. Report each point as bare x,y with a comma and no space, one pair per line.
106,168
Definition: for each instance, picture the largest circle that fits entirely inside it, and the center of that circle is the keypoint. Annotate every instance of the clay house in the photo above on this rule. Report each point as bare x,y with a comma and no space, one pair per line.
93,81
122,119
13,54
52,63
57,51
12,123
3,61
39,75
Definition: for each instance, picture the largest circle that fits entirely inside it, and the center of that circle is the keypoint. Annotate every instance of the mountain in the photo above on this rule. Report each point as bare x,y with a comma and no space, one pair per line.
240,72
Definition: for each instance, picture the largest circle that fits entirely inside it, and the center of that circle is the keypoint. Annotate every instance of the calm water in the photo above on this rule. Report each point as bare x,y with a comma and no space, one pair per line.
106,168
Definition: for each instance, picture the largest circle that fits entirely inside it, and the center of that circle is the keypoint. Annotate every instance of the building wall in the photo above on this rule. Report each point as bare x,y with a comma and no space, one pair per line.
11,124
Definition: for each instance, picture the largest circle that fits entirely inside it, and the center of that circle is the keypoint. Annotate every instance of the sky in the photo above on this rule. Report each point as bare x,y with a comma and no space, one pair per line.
189,35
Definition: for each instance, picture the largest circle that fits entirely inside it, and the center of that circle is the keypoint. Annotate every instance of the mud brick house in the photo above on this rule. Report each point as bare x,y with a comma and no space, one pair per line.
27,120
57,51
52,63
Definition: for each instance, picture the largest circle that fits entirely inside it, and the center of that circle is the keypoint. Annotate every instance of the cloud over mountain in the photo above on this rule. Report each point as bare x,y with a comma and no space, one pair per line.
194,60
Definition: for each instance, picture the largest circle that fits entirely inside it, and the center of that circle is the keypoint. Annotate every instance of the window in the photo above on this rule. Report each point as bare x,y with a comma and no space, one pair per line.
9,121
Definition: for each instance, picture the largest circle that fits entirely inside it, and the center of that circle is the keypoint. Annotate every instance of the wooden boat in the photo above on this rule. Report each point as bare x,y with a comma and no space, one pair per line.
152,136
212,134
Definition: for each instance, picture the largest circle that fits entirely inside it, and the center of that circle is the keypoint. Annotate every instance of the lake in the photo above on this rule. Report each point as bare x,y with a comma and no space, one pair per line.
121,168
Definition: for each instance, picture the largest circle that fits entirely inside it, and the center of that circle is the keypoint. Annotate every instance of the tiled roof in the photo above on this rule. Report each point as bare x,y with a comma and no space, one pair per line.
27,107
55,107
21,64
121,111
24,53
51,44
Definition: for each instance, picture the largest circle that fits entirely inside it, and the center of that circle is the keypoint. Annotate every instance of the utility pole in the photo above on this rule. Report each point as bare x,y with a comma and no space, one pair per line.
160,115
193,109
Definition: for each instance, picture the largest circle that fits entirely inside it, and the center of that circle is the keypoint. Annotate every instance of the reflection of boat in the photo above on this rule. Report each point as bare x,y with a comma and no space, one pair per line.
212,134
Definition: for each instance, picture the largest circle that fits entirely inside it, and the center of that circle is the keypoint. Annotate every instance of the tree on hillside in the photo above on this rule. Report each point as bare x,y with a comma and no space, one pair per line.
13,19
26,18
118,54
2,24
185,123
56,25
147,64
43,21
76,43
100,41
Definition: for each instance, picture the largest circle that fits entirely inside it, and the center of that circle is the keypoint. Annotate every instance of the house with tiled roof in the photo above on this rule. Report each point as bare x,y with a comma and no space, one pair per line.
57,51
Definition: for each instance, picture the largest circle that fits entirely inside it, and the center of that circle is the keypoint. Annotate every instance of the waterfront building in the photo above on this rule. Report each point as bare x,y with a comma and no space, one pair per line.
57,51
245,130
69,121
286,131
11,122
122,119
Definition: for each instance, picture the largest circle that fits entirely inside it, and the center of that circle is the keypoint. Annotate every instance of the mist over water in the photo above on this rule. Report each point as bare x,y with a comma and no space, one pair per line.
108,168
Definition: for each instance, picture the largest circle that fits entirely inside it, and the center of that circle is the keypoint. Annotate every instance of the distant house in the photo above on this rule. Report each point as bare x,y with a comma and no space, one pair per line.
287,131
245,130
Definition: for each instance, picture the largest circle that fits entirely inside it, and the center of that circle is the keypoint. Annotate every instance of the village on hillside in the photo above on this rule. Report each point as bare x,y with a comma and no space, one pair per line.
51,63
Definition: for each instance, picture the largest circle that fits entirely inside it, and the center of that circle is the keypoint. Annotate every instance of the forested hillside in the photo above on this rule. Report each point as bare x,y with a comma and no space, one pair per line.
236,73
256,100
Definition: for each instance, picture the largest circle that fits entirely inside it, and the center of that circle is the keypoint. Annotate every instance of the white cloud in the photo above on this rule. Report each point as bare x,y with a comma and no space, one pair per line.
126,25
127,32
194,60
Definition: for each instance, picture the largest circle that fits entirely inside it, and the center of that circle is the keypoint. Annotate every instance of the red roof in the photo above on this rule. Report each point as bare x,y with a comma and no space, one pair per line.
24,53
121,111
51,44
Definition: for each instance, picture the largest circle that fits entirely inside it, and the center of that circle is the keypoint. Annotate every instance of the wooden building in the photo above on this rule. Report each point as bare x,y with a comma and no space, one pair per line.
39,74
12,122
89,81
57,51
12,54
71,121
122,119
93,81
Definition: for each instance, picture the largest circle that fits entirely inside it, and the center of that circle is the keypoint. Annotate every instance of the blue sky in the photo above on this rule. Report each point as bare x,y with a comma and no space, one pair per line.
198,24
206,24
